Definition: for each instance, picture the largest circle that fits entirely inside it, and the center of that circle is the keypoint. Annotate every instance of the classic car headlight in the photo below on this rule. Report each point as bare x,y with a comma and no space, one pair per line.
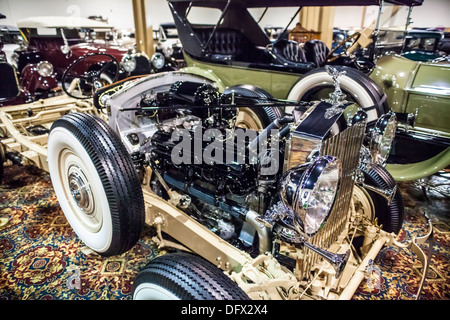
168,51
158,60
45,69
128,63
382,137
309,191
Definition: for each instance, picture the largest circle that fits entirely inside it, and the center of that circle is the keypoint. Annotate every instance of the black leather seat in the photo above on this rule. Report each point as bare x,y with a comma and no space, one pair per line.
228,43
316,51
287,51
291,55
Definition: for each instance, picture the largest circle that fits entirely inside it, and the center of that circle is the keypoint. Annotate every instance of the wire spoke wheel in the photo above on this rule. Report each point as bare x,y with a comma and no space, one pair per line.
89,73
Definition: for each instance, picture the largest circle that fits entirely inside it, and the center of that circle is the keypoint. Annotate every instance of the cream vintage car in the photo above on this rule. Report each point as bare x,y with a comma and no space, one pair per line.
296,211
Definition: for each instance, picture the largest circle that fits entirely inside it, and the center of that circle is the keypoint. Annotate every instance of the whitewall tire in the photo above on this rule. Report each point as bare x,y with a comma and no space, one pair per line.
356,85
184,276
96,184
151,291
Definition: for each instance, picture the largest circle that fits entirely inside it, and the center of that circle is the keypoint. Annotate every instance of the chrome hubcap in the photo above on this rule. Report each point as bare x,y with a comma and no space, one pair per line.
80,190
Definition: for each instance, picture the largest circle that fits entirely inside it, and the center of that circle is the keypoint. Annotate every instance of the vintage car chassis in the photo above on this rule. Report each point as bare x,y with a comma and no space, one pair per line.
260,278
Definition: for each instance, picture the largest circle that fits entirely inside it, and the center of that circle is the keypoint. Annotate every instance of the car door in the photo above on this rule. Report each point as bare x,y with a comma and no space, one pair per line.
429,98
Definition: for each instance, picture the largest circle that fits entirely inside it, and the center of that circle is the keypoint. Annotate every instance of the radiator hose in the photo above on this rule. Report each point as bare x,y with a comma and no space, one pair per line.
279,124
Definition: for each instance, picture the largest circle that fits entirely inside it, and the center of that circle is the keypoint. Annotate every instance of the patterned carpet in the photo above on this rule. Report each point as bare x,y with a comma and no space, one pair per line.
42,259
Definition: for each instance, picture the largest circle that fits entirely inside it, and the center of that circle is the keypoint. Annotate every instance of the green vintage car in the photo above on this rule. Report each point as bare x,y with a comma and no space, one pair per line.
235,50
422,90
416,44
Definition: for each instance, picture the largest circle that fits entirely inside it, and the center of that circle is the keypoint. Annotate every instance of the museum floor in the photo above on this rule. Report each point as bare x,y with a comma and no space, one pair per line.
42,259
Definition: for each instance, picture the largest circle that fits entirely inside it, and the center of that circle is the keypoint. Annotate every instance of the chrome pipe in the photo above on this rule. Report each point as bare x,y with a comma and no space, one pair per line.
337,260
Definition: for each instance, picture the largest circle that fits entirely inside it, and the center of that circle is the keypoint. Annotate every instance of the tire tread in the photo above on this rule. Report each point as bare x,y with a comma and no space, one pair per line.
190,277
116,171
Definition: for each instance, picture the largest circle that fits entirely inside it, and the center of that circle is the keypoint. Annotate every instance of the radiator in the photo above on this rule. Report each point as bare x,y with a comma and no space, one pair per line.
346,146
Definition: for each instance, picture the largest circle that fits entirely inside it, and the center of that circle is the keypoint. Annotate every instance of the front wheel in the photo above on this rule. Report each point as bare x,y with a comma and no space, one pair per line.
390,216
96,183
184,276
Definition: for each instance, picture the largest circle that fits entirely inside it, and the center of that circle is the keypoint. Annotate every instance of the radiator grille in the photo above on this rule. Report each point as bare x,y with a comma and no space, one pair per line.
346,146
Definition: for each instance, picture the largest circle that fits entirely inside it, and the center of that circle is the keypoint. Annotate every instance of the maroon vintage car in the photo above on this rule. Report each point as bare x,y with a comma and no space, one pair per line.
37,80
63,40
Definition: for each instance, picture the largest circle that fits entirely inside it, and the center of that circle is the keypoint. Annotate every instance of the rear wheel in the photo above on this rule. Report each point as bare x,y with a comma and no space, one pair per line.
184,276
256,118
96,183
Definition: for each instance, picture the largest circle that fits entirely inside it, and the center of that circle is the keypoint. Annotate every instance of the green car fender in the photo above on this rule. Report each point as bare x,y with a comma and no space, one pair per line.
418,170
208,74
417,88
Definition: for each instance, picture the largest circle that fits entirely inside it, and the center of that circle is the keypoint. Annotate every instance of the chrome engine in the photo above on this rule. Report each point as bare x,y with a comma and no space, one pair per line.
222,185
